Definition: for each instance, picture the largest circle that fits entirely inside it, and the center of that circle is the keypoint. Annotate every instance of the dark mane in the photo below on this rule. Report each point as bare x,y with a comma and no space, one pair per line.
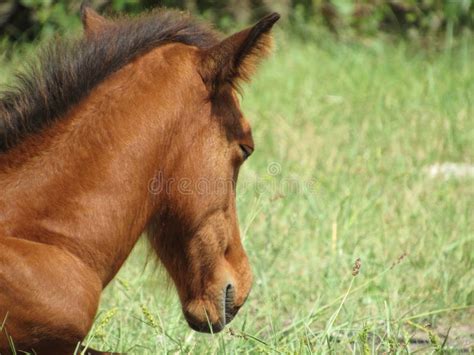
67,70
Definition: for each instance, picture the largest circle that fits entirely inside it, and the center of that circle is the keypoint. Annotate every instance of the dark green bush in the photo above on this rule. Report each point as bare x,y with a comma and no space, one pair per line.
25,20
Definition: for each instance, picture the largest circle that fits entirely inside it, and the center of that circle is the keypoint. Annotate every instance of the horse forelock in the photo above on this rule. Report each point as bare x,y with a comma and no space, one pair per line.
68,69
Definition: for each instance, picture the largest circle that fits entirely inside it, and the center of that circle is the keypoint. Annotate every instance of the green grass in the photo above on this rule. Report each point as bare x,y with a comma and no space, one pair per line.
356,124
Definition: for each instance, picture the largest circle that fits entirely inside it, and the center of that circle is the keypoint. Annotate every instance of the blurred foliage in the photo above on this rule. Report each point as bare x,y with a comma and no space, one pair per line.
25,20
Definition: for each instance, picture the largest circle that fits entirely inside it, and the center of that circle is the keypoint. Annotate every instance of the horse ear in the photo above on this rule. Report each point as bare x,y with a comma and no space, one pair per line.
92,22
237,56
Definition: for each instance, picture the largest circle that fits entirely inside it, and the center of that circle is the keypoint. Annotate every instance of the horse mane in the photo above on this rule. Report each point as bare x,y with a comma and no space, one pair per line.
68,69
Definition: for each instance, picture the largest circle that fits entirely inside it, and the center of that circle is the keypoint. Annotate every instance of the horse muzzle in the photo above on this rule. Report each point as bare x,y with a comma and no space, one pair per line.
212,317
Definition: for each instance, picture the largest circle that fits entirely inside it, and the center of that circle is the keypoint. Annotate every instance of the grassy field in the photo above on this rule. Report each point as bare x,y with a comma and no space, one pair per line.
344,134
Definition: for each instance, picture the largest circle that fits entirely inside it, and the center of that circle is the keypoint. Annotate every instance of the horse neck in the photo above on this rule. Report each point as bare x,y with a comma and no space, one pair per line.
91,185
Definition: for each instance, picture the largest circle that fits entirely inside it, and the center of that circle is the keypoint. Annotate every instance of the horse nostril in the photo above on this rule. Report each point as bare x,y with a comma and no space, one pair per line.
229,303
229,295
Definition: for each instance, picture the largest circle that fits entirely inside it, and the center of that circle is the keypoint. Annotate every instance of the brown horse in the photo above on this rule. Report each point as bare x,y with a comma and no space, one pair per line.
105,137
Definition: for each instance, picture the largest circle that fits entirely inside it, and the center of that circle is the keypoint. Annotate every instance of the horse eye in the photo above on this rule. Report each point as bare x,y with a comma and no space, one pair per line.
246,150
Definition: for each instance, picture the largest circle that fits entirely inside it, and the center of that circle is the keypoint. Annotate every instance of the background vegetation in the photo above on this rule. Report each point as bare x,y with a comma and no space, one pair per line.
358,102
26,19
